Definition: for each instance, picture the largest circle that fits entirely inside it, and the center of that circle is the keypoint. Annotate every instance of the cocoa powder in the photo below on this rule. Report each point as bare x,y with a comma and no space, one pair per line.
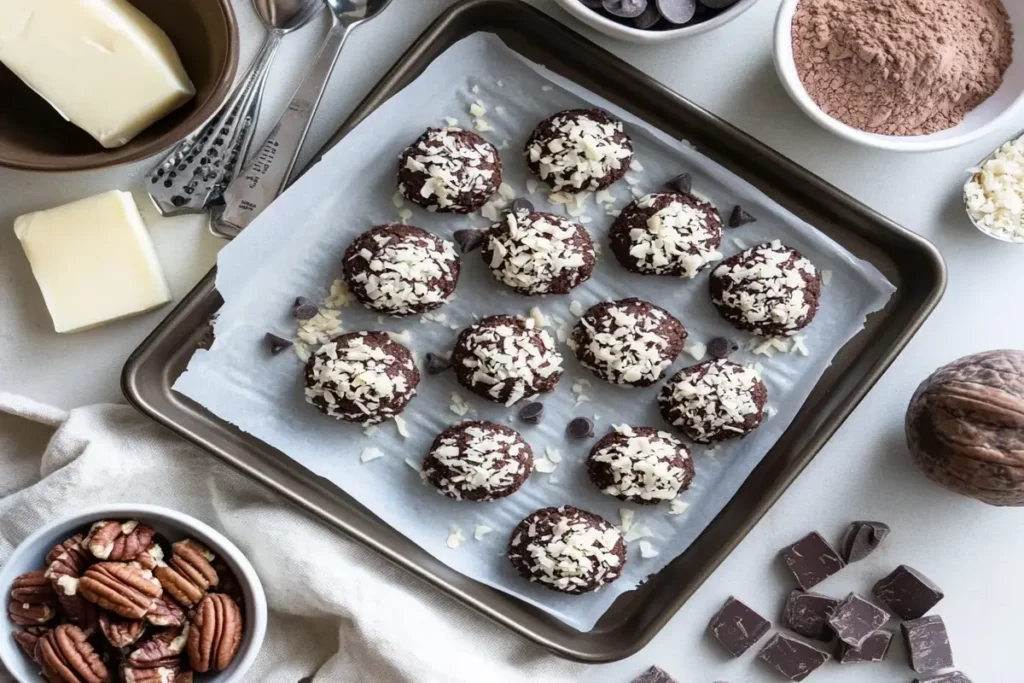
901,67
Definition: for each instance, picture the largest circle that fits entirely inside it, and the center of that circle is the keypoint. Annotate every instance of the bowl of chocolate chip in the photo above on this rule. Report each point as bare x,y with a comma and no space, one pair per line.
654,21
130,593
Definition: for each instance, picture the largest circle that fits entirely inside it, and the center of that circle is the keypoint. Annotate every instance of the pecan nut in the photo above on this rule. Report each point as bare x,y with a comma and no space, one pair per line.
122,588
67,657
27,640
189,574
66,559
184,676
166,612
118,541
163,649
161,674
150,557
33,601
216,633
120,632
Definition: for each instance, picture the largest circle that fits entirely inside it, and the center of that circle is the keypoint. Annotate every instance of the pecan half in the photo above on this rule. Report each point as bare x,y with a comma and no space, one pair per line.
150,557
216,633
189,574
165,612
32,600
118,541
67,559
120,587
163,649
27,640
120,632
228,583
81,612
184,677
161,674
67,657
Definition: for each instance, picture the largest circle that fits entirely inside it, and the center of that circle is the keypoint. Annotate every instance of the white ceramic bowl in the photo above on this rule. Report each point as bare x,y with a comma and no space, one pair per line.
635,35
175,526
989,115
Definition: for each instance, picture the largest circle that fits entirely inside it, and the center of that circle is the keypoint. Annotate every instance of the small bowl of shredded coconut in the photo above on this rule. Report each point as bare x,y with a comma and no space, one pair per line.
994,194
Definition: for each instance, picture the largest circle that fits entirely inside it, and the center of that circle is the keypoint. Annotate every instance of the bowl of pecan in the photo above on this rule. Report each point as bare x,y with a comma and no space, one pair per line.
132,593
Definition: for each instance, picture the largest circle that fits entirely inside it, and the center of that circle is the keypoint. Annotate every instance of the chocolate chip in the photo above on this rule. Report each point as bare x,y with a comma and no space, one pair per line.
740,217
650,17
654,675
792,658
305,309
677,11
855,619
908,592
520,205
720,347
580,428
276,344
436,364
627,9
807,614
737,627
812,560
927,644
532,412
468,240
681,183
862,539
873,649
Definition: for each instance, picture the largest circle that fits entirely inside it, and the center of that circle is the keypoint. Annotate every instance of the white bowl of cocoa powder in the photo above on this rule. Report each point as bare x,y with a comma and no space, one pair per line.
877,73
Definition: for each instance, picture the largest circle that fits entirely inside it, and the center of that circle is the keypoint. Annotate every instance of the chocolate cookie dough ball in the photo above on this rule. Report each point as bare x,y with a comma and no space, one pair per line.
640,465
667,233
579,150
629,342
401,270
479,461
770,290
539,253
364,377
714,400
506,359
567,550
449,170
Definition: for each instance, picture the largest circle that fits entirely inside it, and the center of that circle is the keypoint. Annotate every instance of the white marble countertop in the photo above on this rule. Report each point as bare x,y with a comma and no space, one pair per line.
970,549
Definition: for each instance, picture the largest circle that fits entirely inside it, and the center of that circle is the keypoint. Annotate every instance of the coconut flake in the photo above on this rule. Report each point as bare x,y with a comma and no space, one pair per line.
695,349
370,454
647,550
677,507
455,537
480,531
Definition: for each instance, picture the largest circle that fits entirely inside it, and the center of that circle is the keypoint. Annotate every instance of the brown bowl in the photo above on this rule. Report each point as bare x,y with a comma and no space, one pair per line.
34,137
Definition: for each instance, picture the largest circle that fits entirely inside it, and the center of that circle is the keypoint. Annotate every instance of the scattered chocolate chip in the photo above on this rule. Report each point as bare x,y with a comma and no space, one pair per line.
862,539
654,675
677,11
436,364
720,347
277,344
627,9
648,19
807,614
740,217
949,677
927,644
855,619
812,560
532,412
873,649
908,593
468,240
305,309
580,428
737,627
681,183
520,205
791,657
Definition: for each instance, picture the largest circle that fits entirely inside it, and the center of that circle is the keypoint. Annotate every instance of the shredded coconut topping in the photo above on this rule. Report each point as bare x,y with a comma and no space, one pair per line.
536,253
642,465
712,398
995,192
576,151
677,238
478,456
454,167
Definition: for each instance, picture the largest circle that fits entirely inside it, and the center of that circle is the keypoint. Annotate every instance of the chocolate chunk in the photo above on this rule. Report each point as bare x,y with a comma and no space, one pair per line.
436,364
812,560
677,11
740,217
654,675
580,428
927,644
873,649
468,240
807,614
908,593
276,344
519,205
855,619
532,412
791,657
627,9
950,677
720,347
305,309
737,627
862,539
681,183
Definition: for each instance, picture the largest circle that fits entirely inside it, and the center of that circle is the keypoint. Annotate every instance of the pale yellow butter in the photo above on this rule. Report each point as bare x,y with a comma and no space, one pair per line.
94,261
103,64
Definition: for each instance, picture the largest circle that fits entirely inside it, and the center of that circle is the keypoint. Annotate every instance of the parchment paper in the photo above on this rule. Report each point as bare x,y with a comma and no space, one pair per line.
295,248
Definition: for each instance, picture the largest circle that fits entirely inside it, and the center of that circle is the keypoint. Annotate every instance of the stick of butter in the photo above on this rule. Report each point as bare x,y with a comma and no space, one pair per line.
103,64
93,260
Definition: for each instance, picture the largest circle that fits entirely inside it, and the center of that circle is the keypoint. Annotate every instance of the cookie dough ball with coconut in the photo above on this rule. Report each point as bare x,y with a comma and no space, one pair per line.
567,550
714,400
770,290
364,377
640,465
478,461
579,150
629,342
506,359
667,233
538,253
449,170
401,270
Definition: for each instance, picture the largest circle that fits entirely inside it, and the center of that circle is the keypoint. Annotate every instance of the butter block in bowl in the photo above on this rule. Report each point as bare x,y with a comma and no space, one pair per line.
94,261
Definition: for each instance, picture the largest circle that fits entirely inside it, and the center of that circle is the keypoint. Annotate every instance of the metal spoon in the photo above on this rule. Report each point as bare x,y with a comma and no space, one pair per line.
974,171
268,172
197,171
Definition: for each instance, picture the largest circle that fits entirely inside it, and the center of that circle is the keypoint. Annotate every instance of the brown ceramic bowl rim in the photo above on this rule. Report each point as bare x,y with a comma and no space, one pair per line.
126,155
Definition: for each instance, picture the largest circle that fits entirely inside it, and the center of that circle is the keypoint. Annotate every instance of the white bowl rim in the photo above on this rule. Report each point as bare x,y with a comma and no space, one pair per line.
785,65
96,512
577,9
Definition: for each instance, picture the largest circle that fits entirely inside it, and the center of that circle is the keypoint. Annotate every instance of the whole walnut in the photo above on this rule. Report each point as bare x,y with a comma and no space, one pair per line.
965,427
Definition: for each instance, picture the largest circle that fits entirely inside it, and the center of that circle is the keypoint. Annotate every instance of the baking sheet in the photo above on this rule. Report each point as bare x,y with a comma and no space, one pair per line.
295,248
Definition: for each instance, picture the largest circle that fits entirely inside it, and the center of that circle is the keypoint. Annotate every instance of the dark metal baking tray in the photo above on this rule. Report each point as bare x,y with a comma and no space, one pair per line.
911,263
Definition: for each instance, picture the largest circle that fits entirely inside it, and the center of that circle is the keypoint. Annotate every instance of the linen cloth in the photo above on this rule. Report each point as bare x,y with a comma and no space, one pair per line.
338,612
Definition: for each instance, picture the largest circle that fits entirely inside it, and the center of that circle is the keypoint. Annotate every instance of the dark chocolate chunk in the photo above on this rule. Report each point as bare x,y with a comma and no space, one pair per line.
807,614
854,619
580,428
720,347
681,183
812,560
950,677
532,412
519,205
627,9
927,644
791,657
677,11
436,364
737,627
305,309
468,240
276,344
908,593
873,649
654,675
862,539
740,217
650,17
